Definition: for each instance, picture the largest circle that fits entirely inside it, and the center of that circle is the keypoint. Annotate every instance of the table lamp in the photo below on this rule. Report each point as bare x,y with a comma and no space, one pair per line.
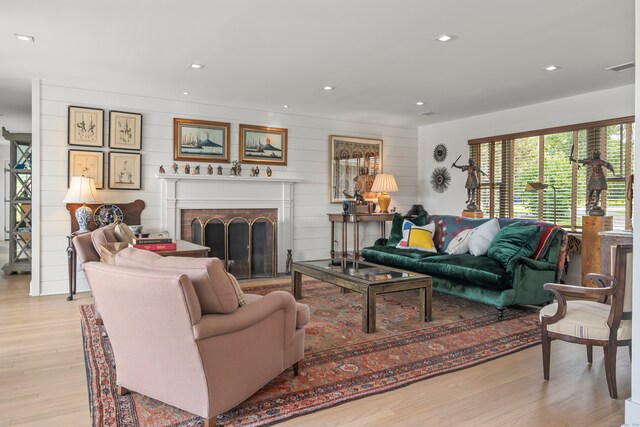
384,184
540,186
82,190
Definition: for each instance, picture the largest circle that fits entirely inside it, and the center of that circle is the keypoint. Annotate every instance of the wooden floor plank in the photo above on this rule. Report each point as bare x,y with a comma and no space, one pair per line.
42,380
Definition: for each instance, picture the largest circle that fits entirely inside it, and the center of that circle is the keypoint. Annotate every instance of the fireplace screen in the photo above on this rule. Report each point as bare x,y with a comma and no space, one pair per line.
247,246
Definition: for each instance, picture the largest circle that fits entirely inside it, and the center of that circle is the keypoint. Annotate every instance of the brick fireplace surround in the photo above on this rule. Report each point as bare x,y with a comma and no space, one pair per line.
180,192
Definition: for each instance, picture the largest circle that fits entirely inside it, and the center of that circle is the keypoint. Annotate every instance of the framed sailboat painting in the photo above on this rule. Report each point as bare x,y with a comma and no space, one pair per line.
260,144
200,141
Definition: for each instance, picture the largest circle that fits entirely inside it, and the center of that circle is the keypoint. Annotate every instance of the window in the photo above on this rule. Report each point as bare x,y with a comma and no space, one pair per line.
512,161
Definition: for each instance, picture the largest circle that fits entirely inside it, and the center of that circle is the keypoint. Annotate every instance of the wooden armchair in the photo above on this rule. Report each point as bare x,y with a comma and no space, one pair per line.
605,322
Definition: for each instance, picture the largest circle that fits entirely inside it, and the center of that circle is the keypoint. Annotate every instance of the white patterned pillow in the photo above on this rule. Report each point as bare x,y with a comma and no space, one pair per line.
460,242
482,237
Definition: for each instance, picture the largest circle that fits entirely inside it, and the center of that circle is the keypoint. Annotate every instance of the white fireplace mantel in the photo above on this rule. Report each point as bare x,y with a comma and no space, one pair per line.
181,191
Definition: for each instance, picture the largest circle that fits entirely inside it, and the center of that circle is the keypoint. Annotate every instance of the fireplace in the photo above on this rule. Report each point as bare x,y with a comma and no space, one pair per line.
241,193
245,239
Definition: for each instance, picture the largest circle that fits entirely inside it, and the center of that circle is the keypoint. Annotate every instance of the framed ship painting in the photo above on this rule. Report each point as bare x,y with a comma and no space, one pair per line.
260,144
200,141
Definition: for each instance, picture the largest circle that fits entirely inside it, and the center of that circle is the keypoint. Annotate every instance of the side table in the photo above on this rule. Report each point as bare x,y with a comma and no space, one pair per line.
355,219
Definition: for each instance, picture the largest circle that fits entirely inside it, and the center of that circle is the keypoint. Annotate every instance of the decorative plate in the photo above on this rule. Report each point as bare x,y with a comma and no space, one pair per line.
107,214
440,153
440,179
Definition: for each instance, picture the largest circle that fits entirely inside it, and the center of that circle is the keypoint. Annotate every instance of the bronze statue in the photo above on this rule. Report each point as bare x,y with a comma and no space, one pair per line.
472,181
596,182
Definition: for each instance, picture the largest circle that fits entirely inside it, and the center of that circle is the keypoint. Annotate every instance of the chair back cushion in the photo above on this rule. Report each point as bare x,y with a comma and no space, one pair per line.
102,235
214,287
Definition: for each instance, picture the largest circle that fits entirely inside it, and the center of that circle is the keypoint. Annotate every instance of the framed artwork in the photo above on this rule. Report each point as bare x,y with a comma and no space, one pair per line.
125,171
260,144
200,140
85,126
354,163
125,130
86,163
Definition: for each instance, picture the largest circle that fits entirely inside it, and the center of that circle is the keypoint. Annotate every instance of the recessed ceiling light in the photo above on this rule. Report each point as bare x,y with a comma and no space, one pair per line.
551,68
24,38
185,93
419,103
196,66
328,88
445,37
285,106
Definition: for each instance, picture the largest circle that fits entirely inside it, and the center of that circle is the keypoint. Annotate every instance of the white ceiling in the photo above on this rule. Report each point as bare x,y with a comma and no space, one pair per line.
380,55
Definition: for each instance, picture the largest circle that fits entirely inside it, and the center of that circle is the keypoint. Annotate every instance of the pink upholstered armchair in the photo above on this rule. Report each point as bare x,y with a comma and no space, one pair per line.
167,348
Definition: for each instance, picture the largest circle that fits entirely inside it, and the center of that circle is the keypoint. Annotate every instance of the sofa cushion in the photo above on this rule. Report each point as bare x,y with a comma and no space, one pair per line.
417,237
123,233
394,257
102,235
448,227
514,240
482,236
468,269
396,227
214,287
460,242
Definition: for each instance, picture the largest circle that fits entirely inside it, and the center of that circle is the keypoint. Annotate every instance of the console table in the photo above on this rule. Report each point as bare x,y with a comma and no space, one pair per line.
355,219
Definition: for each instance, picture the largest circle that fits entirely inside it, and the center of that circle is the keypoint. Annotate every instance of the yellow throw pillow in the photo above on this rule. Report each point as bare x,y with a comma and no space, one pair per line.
416,237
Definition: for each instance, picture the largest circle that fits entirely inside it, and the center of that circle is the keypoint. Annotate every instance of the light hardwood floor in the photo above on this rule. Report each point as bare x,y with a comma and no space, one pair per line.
42,380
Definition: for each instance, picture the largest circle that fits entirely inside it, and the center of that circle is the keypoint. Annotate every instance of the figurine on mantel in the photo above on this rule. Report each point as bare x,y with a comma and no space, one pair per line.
187,169
269,172
175,167
209,170
255,171
236,169
219,170
161,170
196,170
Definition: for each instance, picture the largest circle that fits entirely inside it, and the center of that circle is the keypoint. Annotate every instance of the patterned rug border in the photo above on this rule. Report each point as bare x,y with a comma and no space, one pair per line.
408,373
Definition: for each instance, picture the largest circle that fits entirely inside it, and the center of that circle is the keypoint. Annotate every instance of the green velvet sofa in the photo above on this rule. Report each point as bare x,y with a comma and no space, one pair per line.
481,279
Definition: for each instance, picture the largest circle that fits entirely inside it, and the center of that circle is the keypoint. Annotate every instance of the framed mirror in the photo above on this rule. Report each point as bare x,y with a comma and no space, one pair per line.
354,163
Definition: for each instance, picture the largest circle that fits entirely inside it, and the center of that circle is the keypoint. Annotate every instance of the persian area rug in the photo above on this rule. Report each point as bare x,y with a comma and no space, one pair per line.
341,362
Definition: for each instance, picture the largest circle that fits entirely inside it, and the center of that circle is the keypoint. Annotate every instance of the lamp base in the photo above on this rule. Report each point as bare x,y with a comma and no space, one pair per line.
83,216
384,200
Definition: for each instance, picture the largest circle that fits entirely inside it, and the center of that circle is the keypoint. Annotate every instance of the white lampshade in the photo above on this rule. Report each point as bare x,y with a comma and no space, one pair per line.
384,183
81,190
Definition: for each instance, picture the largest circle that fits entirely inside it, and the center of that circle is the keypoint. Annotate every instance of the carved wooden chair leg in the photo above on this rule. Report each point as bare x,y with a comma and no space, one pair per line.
122,391
589,354
610,369
296,367
546,353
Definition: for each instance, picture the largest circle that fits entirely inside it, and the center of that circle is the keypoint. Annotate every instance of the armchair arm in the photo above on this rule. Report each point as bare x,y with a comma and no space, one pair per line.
530,263
382,241
561,291
211,325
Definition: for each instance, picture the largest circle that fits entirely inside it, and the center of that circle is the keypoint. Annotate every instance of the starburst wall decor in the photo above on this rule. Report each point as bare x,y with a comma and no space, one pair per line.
440,153
440,179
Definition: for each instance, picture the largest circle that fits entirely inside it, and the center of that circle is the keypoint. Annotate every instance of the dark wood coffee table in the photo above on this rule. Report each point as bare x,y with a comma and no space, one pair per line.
366,278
